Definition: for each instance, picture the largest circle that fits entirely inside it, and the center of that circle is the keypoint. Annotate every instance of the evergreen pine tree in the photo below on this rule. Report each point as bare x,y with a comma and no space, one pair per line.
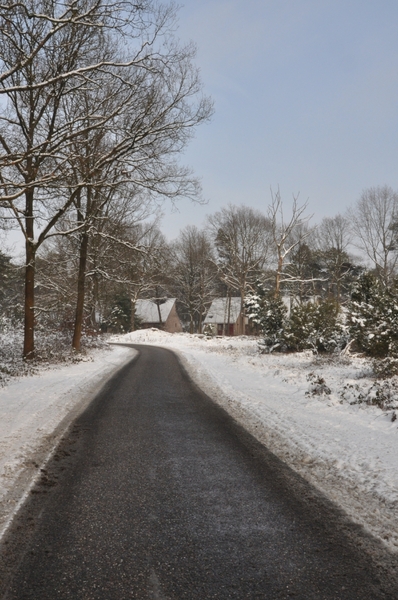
268,314
373,317
315,326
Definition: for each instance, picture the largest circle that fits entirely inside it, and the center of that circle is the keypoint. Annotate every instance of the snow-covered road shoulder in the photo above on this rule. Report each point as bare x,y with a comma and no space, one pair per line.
348,451
36,411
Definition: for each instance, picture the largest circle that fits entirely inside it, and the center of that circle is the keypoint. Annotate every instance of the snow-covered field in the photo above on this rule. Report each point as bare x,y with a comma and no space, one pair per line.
301,407
348,451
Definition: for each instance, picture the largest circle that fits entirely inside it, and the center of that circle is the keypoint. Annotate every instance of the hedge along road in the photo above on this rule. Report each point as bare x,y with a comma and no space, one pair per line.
155,492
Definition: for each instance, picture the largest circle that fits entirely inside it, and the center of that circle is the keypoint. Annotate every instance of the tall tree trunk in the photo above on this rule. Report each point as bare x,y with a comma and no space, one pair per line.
132,319
278,276
229,312
191,324
95,320
158,305
77,334
191,315
200,318
29,343
241,315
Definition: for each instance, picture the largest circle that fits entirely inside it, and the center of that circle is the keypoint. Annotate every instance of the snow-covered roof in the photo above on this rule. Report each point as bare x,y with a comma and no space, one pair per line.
147,310
218,311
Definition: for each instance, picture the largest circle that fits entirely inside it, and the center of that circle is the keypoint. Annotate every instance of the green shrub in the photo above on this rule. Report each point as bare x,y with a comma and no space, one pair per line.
373,317
312,325
384,368
315,326
317,386
268,314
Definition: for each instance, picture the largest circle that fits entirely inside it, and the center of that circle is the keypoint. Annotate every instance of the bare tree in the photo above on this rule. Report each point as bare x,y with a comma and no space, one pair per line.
140,155
193,274
374,221
134,269
241,238
51,54
111,245
333,238
121,264
282,232
302,275
30,131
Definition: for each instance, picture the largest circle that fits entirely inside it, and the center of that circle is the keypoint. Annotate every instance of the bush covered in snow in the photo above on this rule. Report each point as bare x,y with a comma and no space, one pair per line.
268,314
383,394
383,368
52,347
119,318
314,326
317,386
373,317
371,323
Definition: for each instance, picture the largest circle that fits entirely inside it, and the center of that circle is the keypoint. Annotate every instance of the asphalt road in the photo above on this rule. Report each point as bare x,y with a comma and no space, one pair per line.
157,493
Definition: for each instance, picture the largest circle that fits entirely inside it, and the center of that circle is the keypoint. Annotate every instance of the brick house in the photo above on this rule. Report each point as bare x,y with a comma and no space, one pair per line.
158,313
225,317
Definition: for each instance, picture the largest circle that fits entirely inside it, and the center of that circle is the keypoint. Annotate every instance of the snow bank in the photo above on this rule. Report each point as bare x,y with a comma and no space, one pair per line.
36,411
348,451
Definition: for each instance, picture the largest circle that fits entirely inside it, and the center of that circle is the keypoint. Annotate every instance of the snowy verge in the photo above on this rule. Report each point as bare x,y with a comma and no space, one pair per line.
347,451
36,411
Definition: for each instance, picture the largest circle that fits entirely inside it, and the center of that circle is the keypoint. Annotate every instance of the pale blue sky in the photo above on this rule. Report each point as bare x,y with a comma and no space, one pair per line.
306,97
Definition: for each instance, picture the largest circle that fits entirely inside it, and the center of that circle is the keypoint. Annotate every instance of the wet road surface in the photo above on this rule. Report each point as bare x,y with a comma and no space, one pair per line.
156,493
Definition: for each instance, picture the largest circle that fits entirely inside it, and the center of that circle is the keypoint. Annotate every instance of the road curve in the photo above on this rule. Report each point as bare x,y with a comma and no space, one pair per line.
156,493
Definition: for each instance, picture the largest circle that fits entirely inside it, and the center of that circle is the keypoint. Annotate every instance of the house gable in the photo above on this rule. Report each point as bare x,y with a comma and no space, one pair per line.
220,309
225,317
147,312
